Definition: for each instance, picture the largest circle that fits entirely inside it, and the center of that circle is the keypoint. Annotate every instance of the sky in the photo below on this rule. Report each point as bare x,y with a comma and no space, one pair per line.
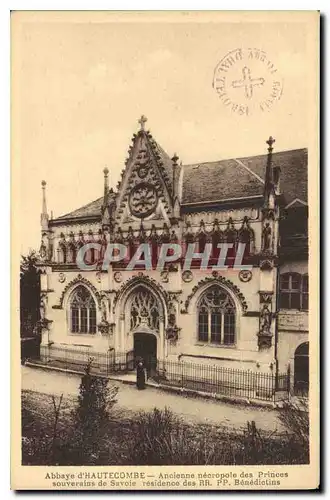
81,84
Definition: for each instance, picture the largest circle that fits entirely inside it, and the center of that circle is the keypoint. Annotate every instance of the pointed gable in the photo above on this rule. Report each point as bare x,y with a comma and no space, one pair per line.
145,190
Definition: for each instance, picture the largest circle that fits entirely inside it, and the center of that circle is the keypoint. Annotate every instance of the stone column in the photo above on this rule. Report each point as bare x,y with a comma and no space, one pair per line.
45,340
122,341
161,354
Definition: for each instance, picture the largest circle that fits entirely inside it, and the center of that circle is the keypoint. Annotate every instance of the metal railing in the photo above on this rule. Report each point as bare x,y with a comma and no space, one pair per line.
212,379
218,380
77,358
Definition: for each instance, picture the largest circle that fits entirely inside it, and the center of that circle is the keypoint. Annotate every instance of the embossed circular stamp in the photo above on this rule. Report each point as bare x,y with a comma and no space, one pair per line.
247,81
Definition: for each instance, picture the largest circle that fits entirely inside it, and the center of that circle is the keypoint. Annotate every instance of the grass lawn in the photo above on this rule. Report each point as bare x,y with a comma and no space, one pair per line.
144,438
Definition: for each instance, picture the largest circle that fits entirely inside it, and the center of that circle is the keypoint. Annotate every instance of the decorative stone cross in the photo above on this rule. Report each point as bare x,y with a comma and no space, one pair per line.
143,121
248,83
270,143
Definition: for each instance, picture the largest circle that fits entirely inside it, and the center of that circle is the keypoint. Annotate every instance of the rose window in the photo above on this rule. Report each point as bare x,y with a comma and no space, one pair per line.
143,200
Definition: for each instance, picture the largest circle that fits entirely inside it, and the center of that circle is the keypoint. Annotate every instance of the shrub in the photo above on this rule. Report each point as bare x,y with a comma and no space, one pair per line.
295,418
95,400
150,430
161,438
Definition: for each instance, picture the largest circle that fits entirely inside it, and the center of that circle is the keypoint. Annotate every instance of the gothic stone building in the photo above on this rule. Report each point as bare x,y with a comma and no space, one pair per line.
254,319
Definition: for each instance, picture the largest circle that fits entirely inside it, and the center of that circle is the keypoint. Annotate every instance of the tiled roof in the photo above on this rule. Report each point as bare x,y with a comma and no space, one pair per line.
229,179
293,178
166,163
89,210
218,181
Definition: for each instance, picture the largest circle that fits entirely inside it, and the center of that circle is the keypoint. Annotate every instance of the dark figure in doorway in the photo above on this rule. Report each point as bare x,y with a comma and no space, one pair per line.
140,375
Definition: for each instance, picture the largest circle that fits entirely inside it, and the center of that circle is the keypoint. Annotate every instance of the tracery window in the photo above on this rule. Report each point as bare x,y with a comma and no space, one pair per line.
61,253
294,291
82,311
201,242
246,236
71,255
144,309
216,317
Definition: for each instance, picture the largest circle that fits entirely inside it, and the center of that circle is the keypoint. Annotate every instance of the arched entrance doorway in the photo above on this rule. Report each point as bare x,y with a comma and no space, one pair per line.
144,315
301,369
145,347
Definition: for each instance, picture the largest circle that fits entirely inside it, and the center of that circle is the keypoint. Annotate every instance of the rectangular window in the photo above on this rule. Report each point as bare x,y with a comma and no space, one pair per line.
294,291
74,320
201,244
92,320
304,304
285,300
295,300
83,320
285,282
203,327
229,329
216,328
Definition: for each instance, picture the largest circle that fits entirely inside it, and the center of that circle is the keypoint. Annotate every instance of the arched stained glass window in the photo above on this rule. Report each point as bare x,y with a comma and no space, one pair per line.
82,311
216,317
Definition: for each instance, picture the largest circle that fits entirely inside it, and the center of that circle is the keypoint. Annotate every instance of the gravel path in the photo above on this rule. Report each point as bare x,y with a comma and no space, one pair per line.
197,410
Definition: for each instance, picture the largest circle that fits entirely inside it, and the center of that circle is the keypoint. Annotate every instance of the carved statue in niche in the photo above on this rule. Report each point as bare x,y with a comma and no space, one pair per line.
267,237
50,248
42,307
104,325
43,251
265,335
43,246
104,309
134,317
265,319
172,329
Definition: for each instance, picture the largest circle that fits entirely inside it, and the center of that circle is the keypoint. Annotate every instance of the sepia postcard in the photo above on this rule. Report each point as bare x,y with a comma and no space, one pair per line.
165,194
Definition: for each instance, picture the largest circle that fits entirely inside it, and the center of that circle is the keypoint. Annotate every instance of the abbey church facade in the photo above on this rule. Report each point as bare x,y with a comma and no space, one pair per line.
253,318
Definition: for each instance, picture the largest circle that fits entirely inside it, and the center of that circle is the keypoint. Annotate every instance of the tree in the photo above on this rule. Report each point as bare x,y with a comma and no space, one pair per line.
29,294
95,400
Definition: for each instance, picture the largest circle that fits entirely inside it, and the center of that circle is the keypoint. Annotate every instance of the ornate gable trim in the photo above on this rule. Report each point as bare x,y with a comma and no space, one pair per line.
216,280
140,280
144,165
81,281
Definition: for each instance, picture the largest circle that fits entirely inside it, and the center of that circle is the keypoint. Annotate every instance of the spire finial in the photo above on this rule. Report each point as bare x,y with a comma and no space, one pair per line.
44,204
142,121
270,143
175,160
106,185
174,175
44,214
